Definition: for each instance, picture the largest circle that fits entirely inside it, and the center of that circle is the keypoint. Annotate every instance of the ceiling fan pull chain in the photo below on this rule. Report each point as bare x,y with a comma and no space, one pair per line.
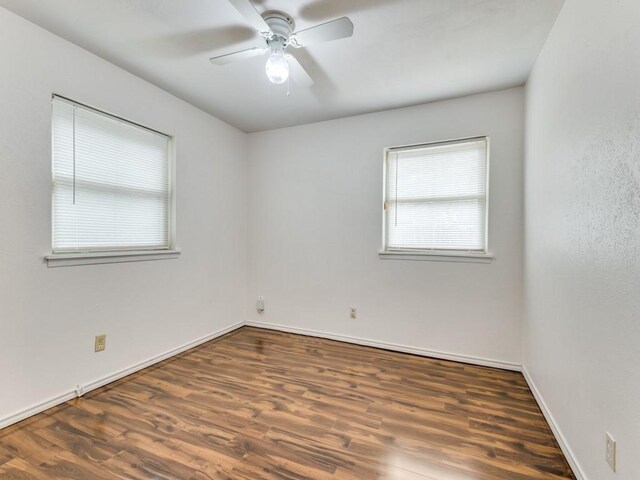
288,86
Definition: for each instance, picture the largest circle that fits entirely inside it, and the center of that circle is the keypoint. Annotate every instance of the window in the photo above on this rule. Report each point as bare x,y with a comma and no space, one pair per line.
436,198
111,183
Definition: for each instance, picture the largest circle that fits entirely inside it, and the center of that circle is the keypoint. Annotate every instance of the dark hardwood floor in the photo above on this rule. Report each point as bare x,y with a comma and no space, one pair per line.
258,404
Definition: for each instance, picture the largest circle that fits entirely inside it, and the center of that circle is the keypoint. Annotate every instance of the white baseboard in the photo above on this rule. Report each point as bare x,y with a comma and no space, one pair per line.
555,428
456,357
65,397
34,410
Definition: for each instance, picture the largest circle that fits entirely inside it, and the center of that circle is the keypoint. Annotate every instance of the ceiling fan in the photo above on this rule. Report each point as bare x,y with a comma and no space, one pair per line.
277,30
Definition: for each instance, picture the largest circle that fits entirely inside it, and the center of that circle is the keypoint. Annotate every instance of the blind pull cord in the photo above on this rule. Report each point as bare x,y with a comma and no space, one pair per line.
396,204
74,155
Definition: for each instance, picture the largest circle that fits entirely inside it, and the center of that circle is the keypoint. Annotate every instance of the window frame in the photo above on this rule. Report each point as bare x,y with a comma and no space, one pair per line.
90,256
456,255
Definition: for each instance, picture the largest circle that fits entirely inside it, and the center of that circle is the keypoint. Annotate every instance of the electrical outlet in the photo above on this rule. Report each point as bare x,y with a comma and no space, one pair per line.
353,311
101,343
260,304
611,452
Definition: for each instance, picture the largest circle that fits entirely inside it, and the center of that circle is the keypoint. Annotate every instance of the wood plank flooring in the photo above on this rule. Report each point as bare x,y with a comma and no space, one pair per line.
258,404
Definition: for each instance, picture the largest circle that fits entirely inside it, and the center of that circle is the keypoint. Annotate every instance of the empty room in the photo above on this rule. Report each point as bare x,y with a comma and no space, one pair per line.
320,239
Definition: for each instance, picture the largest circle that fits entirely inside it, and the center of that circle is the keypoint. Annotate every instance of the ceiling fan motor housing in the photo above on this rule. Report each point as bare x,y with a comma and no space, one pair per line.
278,31
280,24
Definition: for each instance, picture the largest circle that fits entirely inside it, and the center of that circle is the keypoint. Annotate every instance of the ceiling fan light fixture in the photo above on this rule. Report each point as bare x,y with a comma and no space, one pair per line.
278,31
277,67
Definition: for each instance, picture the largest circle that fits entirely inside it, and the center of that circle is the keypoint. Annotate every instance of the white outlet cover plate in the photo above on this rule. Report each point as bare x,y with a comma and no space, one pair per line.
611,452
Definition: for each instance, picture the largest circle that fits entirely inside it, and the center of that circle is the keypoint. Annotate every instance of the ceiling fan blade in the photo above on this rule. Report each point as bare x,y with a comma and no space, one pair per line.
249,12
333,30
298,73
241,55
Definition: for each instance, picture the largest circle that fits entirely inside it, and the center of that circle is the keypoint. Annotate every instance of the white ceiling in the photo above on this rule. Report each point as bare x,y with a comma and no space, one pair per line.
403,52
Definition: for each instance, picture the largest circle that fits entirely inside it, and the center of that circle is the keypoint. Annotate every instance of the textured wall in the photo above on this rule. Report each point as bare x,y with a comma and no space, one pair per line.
315,224
582,271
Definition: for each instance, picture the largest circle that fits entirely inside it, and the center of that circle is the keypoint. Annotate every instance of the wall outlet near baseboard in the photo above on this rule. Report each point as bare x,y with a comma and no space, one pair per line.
260,305
353,312
101,343
611,452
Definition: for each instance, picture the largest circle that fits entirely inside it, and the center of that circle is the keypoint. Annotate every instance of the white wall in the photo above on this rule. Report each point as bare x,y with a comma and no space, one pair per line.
315,231
49,316
582,324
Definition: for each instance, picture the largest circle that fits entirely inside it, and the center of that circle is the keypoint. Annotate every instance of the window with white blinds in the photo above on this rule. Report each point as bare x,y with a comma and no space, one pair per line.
111,182
436,197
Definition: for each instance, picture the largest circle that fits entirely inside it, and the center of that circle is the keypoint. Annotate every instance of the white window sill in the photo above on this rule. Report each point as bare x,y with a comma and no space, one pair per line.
434,256
73,259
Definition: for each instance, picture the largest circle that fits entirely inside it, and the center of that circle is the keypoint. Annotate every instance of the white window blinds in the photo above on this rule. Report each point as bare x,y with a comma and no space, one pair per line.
436,197
111,187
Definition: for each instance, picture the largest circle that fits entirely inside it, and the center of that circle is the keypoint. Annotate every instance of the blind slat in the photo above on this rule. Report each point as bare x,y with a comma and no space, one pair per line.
436,197
111,186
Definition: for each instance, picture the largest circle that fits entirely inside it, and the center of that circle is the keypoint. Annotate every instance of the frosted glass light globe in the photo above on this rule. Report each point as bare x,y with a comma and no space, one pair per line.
277,68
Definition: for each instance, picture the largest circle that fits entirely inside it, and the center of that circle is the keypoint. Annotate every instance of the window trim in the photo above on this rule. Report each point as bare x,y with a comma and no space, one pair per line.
439,256
95,258
70,257
434,254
